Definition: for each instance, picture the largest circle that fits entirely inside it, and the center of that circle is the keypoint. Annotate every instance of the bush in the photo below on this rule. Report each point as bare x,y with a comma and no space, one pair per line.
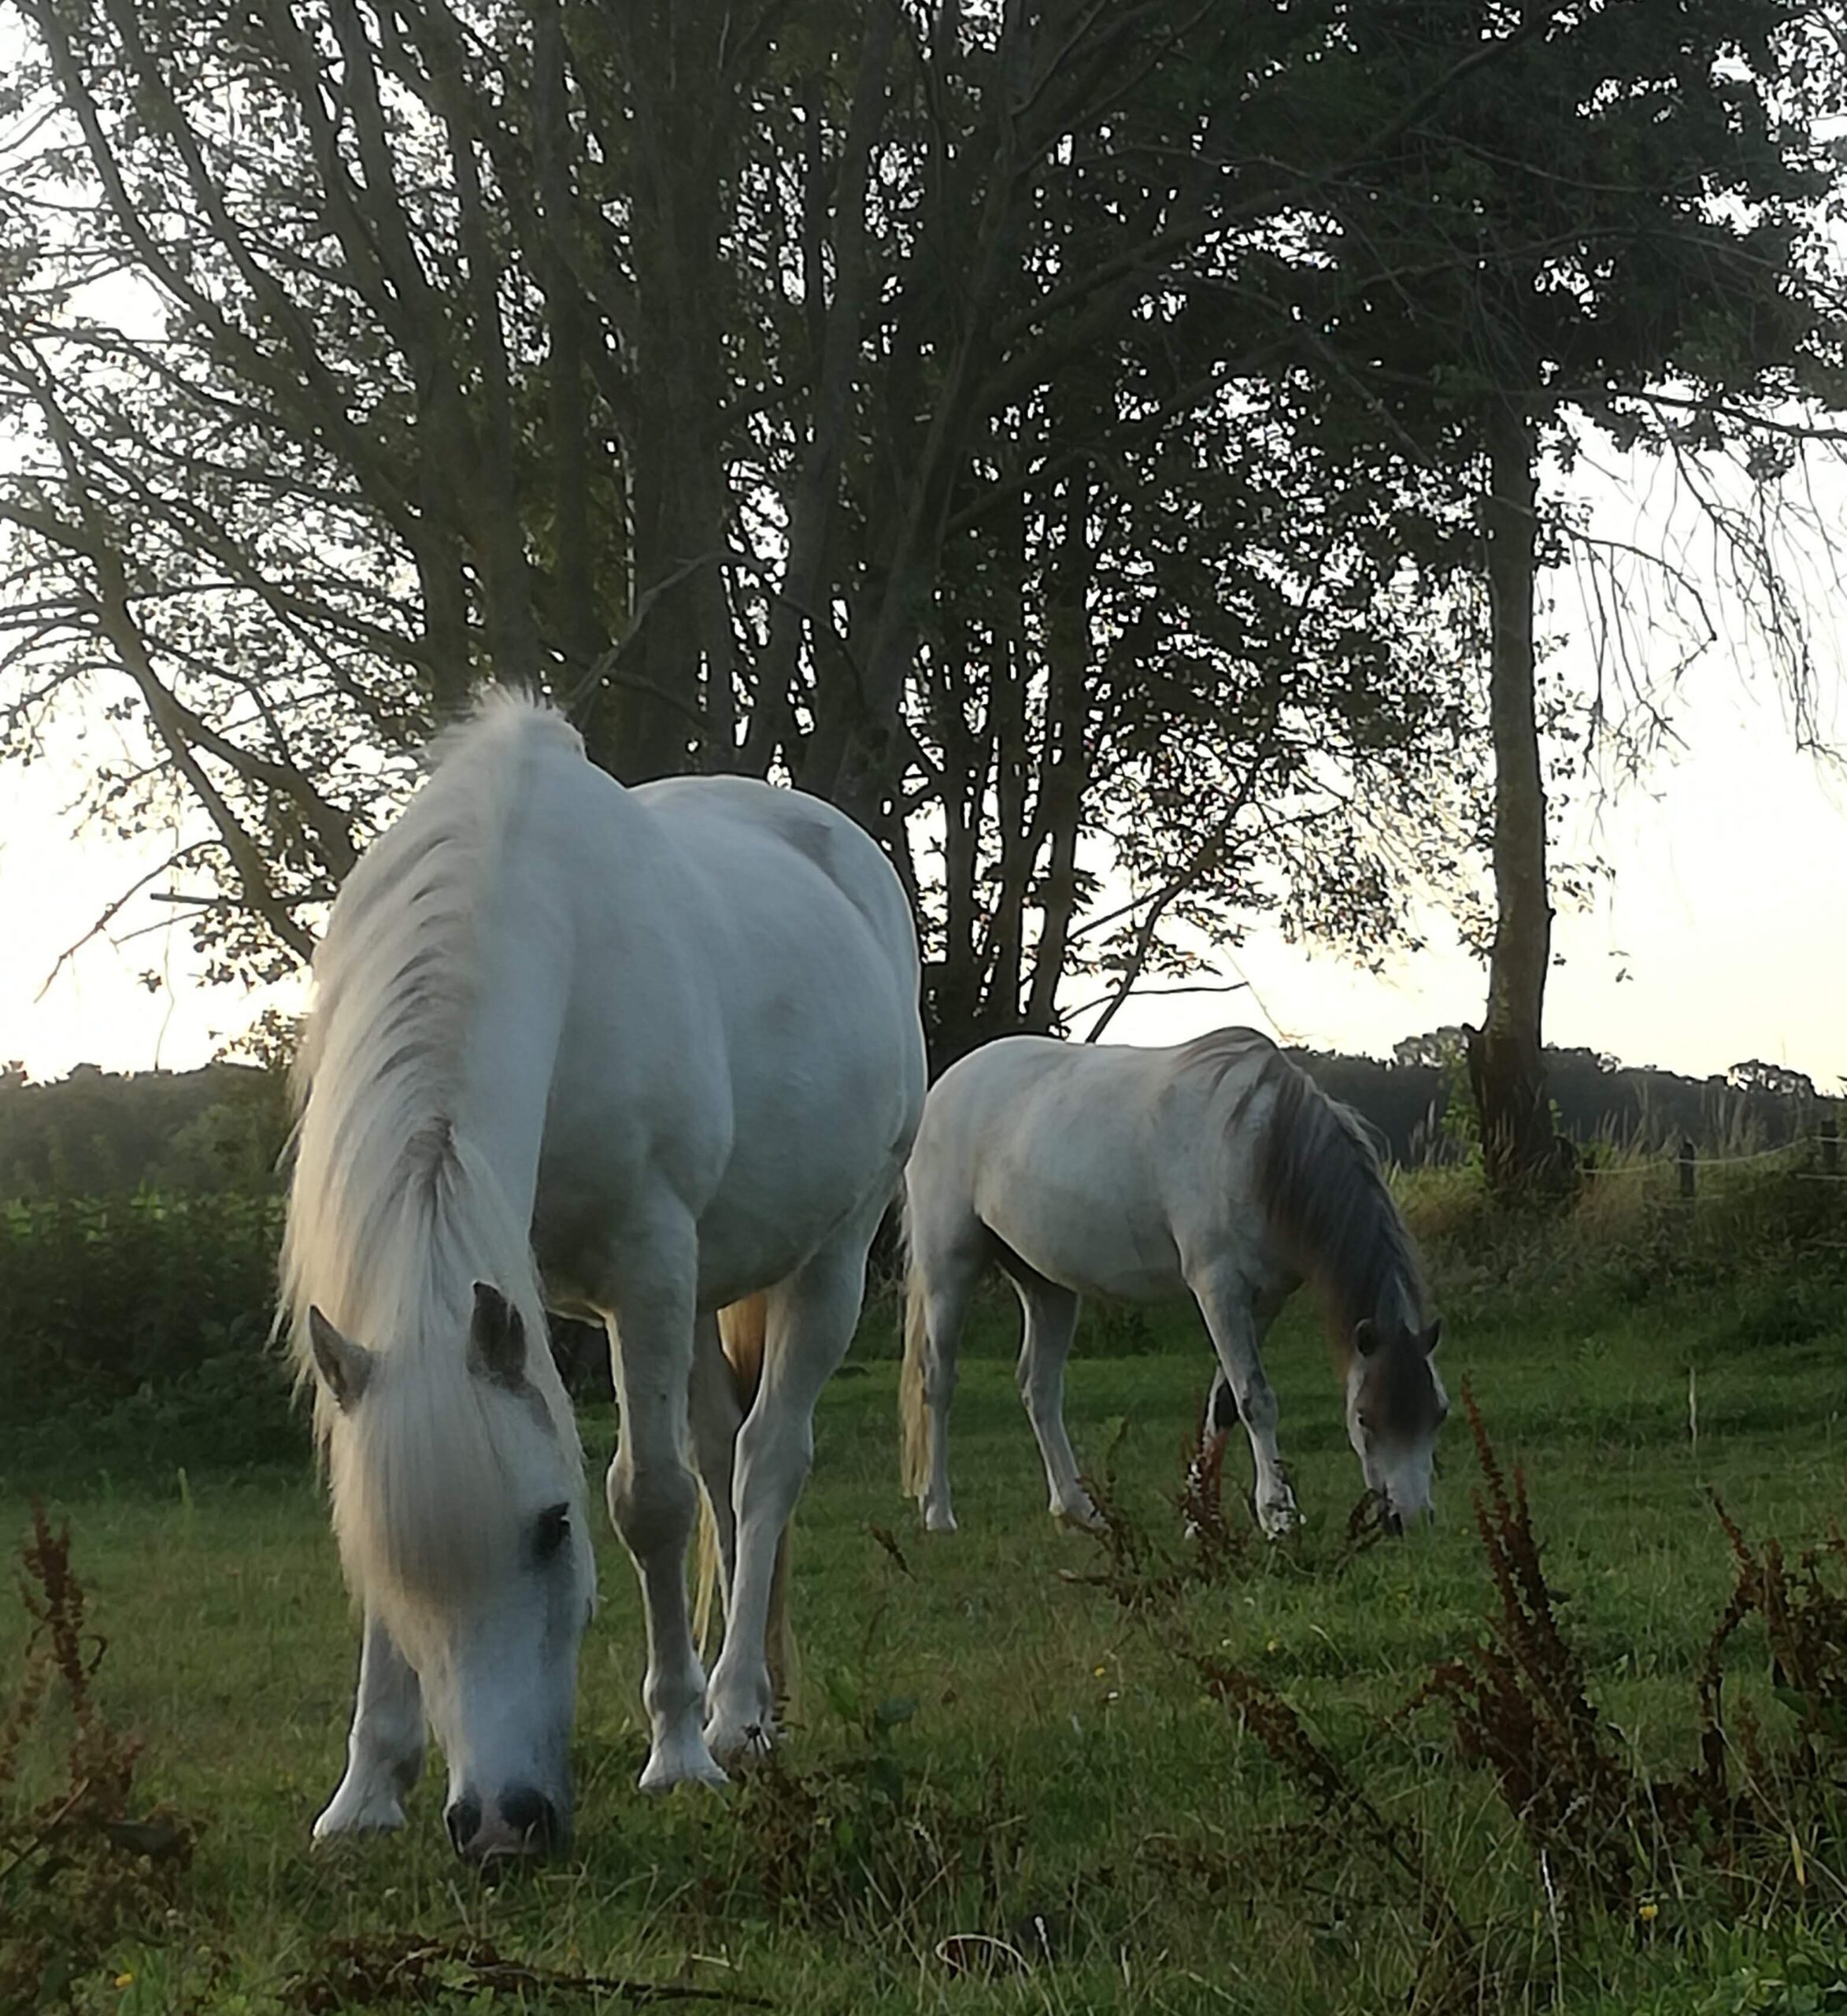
1770,1231
103,1297
232,1411
82,1865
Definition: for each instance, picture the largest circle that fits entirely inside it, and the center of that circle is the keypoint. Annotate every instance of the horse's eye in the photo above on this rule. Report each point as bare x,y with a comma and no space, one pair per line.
549,1530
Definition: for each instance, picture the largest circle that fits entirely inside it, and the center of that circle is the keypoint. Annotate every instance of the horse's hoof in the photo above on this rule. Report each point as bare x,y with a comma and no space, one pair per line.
938,1522
378,1813
741,1744
685,1763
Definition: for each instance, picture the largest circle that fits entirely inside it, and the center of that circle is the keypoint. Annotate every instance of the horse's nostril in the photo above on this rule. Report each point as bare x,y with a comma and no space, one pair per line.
464,1819
530,1816
1394,1522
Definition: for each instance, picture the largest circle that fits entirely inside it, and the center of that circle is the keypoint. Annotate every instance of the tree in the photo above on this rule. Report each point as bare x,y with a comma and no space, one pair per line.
1015,424
1775,1081
1436,1050
1154,658
717,376
1621,223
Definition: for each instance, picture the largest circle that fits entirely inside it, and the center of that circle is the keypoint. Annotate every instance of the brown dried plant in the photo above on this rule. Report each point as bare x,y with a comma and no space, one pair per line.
78,1869
1520,1703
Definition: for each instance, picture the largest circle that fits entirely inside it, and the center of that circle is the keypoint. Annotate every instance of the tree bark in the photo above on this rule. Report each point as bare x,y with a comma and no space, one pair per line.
1506,1067
834,211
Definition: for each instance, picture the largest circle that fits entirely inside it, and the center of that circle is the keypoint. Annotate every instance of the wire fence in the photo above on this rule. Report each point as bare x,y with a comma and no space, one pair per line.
1691,1163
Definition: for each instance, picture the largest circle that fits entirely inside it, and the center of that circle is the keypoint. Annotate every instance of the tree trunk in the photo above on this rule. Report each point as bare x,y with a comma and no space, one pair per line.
1506,1067
1064,769
580,631
955,994
655,716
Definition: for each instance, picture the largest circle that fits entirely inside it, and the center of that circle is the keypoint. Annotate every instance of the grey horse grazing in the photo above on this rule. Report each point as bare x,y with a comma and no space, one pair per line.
1217,1169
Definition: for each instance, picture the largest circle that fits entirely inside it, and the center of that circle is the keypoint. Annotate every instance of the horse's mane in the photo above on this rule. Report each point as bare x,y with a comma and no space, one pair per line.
394,1211
1322,1185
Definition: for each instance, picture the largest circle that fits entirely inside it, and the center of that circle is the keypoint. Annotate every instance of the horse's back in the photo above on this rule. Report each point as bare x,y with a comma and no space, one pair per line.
732,824
1033,1093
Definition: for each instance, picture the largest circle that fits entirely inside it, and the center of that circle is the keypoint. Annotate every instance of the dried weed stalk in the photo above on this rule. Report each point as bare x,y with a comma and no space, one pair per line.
78,1869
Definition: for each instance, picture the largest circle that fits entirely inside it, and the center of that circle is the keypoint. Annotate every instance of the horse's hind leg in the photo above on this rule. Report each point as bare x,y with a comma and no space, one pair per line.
945,1265
1051,1315
1233,1316
946,1294
385,1750
717,1415
811,1320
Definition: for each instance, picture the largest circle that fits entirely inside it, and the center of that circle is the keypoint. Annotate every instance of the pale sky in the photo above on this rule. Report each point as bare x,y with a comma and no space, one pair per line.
1721,935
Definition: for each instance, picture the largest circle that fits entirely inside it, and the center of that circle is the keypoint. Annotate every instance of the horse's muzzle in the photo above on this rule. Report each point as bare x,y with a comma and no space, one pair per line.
521,1822
1396,1523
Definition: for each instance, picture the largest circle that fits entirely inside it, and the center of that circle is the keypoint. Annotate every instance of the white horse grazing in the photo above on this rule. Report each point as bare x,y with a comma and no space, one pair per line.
1217,1169
660,1047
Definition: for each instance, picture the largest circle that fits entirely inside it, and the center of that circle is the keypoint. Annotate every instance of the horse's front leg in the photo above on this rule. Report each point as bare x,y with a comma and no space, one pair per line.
812,1317
653,1502
385,1750
1228,1303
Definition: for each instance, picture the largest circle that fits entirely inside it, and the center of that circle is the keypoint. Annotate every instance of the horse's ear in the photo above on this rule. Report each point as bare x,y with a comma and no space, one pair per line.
344,1366
1432,1336
497,1337
1365,1336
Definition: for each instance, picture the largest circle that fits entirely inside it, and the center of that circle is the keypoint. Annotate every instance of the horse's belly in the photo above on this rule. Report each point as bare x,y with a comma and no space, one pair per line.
1094,1244
758,1207
769,1217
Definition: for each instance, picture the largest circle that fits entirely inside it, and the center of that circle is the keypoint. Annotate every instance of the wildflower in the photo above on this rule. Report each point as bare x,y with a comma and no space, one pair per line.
1272,1644
1097,1673
124,1980
1648,1910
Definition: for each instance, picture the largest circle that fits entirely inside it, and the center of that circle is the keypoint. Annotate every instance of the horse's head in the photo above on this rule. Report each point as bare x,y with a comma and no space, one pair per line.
1395,1406
458,1499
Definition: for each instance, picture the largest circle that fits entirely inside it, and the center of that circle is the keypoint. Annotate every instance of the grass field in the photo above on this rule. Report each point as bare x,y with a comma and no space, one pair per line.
986,1743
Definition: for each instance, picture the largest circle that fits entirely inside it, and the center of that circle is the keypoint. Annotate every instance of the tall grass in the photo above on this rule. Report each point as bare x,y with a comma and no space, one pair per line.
1764,1224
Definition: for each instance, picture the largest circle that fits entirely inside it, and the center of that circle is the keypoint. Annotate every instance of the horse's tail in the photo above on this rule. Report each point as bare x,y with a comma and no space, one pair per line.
742,1329
913,1410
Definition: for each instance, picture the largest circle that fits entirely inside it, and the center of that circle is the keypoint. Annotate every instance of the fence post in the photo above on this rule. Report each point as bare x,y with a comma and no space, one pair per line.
1830,1143
1689,1167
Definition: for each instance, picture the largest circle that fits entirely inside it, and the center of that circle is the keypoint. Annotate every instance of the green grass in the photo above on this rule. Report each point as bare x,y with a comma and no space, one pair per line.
984,1738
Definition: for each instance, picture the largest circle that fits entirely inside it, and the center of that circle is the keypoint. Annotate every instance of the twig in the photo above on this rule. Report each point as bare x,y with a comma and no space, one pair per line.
50,1827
